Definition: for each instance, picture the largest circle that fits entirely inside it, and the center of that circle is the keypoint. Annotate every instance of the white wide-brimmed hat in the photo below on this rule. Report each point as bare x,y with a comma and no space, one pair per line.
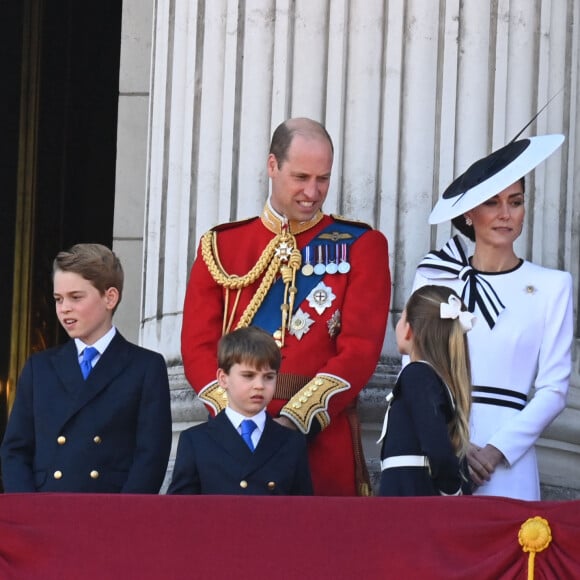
492,174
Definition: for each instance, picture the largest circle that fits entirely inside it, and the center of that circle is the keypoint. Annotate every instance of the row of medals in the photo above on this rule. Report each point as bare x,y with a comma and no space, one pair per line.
327,261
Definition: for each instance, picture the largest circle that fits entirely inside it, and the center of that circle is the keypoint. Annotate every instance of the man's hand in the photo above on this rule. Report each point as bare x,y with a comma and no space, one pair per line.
482,462
285,422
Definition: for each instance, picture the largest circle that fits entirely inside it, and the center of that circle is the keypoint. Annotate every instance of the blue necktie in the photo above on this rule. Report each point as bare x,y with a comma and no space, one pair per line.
248,427
88,355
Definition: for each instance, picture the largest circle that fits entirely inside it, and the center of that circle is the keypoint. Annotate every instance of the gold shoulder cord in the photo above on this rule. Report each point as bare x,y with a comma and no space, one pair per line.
280,255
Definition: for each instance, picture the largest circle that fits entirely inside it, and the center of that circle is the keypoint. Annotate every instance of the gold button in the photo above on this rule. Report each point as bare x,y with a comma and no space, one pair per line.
61,440
271,485
57,474
97,439
243,484
94,474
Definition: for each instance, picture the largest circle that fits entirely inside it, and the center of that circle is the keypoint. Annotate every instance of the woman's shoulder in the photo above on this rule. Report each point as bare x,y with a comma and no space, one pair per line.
545,270
543,273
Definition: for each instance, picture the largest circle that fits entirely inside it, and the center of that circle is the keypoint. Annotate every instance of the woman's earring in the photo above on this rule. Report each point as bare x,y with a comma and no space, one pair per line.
468,221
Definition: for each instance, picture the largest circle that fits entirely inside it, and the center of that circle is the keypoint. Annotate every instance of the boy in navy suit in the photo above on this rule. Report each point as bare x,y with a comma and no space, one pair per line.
243,450
94,414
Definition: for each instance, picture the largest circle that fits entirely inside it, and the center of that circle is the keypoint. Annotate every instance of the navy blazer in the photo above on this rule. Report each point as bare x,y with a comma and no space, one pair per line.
111,433
212,458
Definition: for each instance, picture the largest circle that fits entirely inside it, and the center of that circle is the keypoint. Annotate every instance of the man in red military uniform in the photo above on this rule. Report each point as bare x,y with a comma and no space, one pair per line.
320,284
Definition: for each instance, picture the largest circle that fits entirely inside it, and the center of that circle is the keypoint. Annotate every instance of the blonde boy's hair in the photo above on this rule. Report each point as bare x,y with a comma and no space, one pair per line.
95,263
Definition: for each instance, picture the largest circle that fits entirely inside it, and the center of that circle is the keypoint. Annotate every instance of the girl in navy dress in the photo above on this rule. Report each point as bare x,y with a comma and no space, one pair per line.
425,434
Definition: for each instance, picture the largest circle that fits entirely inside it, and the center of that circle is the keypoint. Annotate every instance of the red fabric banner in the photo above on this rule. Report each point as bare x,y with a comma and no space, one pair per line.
72,536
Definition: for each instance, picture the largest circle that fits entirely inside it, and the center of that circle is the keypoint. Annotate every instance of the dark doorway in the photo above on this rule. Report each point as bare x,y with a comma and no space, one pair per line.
10,64
58,121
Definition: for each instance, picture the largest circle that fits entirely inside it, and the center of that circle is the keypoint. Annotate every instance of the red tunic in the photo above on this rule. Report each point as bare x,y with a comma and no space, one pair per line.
344,355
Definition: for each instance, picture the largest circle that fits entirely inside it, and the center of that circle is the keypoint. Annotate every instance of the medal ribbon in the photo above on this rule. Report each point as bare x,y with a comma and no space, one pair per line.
268,314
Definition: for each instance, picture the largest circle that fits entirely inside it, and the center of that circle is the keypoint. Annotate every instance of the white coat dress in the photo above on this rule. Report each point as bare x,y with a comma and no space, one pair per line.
520,360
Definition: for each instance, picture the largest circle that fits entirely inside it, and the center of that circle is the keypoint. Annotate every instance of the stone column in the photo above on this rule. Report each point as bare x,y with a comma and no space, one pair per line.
411,96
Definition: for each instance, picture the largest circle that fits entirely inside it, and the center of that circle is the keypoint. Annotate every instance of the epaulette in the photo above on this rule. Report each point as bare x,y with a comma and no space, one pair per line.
230,225
345,220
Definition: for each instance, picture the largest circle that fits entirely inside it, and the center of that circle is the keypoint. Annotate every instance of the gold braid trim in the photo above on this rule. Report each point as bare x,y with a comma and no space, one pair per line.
312,401
214,396
232,282
260,294
280,255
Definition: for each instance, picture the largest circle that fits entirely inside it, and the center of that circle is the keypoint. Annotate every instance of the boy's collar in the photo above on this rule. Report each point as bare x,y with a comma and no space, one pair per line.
101,344
236,418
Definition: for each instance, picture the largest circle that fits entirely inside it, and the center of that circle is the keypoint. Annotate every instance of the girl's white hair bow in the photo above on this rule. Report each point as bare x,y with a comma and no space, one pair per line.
452,309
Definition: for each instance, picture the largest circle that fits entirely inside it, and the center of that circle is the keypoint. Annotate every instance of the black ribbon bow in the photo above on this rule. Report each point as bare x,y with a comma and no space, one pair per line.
451,261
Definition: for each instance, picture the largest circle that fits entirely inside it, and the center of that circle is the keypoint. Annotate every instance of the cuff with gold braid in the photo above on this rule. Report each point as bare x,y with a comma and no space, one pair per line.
214,397
312,402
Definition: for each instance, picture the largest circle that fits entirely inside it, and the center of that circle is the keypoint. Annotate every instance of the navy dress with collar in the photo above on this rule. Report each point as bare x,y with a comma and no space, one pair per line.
418,420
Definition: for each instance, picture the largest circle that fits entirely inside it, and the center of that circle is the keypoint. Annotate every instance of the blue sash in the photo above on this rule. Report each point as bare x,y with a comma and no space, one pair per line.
269,315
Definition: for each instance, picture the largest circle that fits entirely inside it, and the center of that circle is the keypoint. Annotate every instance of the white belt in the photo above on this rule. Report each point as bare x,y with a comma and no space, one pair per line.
405,461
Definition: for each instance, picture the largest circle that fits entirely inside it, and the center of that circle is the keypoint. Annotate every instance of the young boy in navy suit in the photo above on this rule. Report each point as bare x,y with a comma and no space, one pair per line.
93,415
224,456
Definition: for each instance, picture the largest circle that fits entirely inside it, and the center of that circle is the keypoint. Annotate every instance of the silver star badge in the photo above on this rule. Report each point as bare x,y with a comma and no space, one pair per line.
320,297
300,324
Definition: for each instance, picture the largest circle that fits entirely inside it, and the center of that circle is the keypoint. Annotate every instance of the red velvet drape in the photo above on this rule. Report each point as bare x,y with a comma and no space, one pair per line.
74,536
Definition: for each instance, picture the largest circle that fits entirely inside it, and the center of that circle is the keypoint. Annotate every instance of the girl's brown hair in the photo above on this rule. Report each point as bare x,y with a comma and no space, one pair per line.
442,343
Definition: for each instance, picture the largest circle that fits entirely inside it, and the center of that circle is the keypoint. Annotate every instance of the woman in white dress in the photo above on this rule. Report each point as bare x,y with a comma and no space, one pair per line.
522,342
